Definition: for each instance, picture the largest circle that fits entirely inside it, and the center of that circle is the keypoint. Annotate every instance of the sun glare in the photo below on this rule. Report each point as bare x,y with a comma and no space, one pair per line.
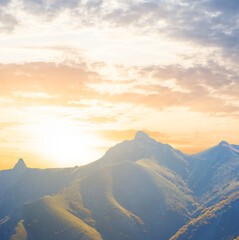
64,143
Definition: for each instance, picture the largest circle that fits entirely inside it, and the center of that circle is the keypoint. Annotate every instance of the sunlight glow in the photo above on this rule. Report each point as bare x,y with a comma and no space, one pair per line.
64,143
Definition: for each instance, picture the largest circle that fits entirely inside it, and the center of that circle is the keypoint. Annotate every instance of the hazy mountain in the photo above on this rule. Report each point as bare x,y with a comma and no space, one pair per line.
214,172
140,189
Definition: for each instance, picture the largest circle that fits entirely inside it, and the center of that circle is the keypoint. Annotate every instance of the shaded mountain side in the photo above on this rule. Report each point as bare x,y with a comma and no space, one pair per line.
120,201
213,173
217,222
219,193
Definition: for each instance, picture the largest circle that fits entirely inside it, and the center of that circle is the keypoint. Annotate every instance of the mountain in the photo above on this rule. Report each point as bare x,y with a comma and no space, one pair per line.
140,189
214,172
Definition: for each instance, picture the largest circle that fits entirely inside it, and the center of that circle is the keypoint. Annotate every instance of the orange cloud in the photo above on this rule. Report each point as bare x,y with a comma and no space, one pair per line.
62,85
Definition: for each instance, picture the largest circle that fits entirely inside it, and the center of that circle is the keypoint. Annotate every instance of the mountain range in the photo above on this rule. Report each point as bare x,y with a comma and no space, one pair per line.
139,190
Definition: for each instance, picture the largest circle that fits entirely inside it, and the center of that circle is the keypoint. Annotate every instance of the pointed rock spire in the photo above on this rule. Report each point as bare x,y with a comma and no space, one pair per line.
20,164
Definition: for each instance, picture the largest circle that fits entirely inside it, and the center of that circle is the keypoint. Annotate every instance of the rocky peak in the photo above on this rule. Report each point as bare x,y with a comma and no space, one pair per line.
140,135
20,164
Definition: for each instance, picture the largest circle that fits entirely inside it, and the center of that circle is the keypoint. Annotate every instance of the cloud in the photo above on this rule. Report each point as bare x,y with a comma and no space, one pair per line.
200,92
49,8
224,6
162,101
4,125
128,134
97,119
7,22
41,77
209,23
193,78
4,2
200,89
36,92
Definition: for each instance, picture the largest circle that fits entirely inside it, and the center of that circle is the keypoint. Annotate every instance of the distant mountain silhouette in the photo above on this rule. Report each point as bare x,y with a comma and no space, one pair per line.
140,189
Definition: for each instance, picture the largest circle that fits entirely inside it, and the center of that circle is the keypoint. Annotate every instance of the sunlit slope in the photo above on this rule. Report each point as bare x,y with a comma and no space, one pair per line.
21,233
217,222
126,200
53,218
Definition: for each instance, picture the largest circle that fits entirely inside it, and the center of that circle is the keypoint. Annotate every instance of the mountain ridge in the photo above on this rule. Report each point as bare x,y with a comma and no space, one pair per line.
139,189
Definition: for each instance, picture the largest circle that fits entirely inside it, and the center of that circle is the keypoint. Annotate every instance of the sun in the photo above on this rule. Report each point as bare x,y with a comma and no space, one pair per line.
64,143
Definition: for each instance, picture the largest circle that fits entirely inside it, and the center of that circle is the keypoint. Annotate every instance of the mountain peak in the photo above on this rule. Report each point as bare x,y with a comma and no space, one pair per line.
20,164
140,135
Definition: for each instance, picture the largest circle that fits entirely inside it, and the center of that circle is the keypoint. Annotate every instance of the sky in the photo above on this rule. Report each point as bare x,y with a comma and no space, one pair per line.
79,76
